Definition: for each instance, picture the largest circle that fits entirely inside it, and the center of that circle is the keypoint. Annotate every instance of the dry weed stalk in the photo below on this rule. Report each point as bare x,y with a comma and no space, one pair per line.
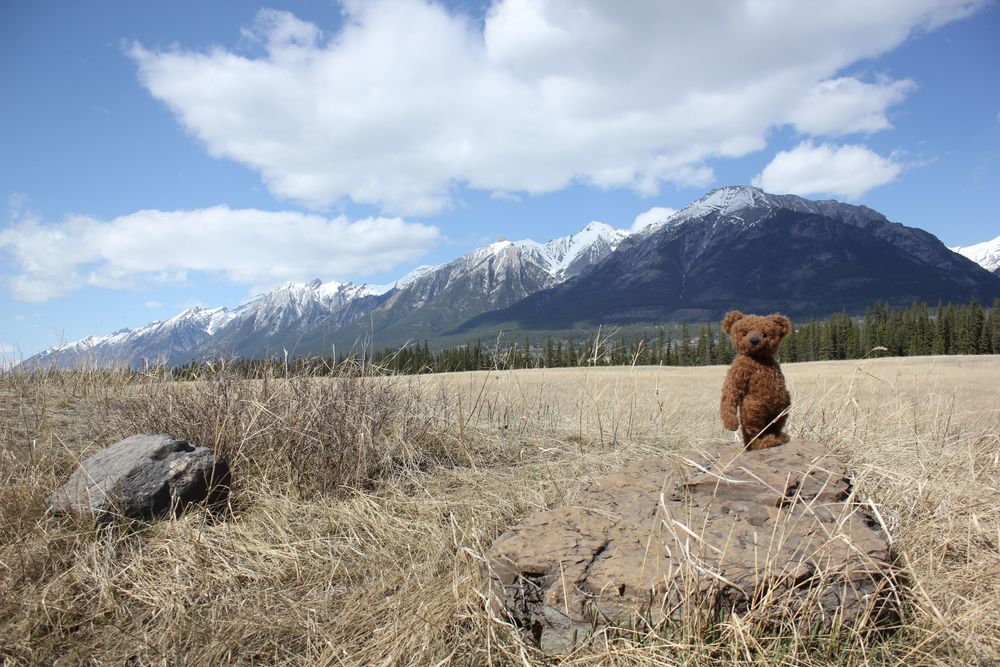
364,510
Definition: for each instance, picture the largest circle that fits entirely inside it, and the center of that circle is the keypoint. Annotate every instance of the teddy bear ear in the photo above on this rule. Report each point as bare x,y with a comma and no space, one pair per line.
783,323
730,319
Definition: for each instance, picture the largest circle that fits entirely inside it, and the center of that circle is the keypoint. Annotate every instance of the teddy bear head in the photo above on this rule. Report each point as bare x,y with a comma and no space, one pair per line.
756,335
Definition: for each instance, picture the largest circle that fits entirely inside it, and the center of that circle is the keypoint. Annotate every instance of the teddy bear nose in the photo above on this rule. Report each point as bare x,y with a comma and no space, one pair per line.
754,340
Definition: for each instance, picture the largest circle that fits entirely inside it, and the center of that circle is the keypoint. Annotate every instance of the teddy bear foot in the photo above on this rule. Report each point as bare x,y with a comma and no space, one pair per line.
768,441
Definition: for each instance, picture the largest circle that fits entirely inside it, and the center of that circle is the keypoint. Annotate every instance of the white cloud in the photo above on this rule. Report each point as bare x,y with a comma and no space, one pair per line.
499,195
153,304
243,246
407,100
847,105
845,171
652,216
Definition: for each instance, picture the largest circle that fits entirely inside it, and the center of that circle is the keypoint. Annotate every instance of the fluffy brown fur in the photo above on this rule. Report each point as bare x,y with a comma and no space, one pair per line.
755,385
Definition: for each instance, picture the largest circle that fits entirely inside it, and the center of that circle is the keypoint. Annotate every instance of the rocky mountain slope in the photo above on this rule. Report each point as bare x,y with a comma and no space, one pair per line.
310,318
736,247
739,247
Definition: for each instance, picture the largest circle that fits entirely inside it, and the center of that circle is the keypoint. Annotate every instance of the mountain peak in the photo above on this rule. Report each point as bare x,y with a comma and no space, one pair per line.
567,255
690,265
731,200
985,254
597,226
727,200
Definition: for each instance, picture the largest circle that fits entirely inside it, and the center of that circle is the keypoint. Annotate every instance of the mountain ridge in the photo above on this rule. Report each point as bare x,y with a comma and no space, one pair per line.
985,254
741,247
737,246
301,317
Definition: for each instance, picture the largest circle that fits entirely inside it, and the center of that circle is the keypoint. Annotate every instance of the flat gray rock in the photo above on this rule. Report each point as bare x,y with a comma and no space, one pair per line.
142,477
768,534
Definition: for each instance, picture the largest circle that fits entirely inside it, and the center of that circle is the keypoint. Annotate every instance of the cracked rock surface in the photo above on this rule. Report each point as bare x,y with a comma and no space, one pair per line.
142,477
769,534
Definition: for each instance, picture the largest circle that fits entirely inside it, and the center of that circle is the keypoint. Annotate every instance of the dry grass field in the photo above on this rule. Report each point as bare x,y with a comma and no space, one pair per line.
362,507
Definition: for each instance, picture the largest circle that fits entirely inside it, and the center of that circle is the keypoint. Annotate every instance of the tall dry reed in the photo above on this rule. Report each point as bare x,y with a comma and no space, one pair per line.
365,505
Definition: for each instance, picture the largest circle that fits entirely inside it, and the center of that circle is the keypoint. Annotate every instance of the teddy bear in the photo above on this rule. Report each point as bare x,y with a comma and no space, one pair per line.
755,385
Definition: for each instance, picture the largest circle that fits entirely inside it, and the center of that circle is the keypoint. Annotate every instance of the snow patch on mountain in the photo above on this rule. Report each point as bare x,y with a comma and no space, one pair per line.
566,256
208,319
560,258
294,308
595,239
985,254
730,201
409,278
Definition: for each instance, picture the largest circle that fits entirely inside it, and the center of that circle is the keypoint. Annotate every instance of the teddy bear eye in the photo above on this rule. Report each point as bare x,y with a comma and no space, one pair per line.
765,335
744,334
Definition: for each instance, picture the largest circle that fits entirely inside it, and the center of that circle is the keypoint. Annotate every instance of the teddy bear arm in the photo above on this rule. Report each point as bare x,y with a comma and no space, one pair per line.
733,391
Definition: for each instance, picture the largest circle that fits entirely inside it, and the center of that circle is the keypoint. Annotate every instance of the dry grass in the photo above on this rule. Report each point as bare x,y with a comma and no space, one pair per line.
364,505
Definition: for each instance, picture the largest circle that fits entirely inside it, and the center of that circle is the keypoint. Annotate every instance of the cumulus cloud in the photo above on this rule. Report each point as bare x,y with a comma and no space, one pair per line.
847,105
407,100
651,217
243,246
846,171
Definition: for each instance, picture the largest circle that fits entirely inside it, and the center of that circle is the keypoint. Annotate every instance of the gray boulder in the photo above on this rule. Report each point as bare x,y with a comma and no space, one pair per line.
771,535
143,477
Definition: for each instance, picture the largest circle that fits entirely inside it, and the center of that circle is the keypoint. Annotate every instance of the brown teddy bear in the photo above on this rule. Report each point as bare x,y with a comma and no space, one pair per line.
755,383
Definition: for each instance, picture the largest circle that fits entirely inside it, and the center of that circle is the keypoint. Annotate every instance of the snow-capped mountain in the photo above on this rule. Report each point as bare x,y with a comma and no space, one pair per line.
297,305
305,318
494,276
569,256
736,247
985,254
167,341
740,247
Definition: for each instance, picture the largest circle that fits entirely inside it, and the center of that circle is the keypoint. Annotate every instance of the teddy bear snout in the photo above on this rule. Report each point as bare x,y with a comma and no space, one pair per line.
754,340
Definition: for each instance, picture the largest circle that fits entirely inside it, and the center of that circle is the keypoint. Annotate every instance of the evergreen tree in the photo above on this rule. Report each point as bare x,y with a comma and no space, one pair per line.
724,352
827,349
701,353
939,339
684,348
993,325
970,328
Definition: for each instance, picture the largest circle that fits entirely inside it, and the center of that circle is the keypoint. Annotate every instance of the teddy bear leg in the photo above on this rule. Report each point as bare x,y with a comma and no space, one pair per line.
751,436
767,441
767,434
776,429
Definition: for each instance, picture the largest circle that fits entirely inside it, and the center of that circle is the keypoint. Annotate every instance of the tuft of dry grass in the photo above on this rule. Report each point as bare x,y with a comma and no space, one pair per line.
364,505
297,433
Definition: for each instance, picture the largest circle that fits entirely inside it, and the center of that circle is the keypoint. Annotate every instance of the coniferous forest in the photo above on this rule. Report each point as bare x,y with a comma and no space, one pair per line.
882,331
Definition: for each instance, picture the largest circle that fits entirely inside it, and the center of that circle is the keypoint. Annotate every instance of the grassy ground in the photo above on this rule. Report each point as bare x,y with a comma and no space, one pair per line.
363,507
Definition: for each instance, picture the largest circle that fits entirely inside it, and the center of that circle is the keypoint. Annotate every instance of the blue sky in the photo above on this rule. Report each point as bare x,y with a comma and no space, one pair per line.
160,155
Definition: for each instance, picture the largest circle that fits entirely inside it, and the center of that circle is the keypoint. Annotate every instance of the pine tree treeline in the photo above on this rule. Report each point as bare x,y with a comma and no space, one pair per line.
883,331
